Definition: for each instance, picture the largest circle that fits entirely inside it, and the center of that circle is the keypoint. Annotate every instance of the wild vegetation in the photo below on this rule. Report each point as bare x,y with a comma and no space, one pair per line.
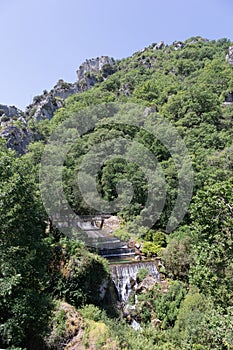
48,281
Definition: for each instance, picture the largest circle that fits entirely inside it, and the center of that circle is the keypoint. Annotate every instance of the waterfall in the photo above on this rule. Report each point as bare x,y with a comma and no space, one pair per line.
125,276
136,326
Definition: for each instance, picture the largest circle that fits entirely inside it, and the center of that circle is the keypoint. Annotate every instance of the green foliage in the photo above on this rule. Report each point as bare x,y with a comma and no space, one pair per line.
177,257
151,249
199,325
189,87
79,274
141,274
122,234
160,304
167,304
92,312
212,270
157,237
190,315
24,306
60,322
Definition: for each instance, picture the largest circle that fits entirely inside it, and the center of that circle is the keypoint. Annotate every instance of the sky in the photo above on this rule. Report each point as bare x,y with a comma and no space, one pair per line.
47,40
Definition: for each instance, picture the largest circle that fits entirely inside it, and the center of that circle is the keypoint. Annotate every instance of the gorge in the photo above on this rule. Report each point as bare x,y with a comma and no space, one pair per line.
58,292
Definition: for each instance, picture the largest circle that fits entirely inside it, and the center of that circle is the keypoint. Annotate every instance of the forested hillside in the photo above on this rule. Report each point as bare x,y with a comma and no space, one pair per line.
50,283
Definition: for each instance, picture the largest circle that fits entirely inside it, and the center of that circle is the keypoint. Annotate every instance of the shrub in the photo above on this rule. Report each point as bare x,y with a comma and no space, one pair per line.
141,274
122,234
91,312
150,249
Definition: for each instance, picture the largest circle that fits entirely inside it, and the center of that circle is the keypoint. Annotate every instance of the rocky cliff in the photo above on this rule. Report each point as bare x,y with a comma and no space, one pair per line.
15,124
93,66
88,74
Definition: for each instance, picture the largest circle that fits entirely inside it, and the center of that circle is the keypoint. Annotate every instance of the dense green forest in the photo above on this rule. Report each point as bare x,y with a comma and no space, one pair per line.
49,282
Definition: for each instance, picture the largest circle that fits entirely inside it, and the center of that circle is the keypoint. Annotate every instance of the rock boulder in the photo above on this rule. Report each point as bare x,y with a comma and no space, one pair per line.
147,284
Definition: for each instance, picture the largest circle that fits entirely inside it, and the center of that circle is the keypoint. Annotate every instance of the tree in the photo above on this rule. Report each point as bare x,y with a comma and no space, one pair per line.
177,258
23,255
200,325
212,215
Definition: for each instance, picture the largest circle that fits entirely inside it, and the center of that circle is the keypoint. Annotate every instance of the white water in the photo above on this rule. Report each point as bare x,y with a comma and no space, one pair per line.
136,326
124,275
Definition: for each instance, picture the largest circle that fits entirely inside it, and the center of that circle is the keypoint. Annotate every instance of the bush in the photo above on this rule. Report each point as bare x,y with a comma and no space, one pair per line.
150,249
141,274
122,234
91,312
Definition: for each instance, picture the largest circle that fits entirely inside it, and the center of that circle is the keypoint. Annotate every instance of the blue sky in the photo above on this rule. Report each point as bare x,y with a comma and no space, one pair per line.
43,41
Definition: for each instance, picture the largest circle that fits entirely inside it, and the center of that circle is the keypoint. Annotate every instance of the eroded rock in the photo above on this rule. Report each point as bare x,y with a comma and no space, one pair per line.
72,328
9,111
159,46
147,283
94,65
178,45
229,56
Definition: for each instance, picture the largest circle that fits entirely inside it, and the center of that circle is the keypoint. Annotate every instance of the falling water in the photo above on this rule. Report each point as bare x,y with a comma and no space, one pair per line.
136,326
125,276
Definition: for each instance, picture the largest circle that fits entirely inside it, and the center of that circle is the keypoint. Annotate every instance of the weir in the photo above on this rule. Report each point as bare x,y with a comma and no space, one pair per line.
123,268
96,238
124,276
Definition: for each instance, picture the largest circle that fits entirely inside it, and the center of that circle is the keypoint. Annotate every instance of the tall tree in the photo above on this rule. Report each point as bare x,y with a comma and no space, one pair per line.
212,214
23,304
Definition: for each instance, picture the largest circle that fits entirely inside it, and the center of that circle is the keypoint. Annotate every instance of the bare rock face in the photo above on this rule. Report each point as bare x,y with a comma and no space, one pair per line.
16,137
69,331
63,89
178,45
229,56
43,108
14,123
112,223
14,129
125,89
45,105
147,283
9,112
159,46
14,126
94,65
229,98
156,322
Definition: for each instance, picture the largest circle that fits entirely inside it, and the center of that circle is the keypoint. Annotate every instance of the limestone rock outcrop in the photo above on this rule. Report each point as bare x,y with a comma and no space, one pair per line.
16,137
229,98
147,283
178,45
63,89
70,331
14,123
7,112
229,56
72,328
14,128
159,46
45,105
43,108
95,65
